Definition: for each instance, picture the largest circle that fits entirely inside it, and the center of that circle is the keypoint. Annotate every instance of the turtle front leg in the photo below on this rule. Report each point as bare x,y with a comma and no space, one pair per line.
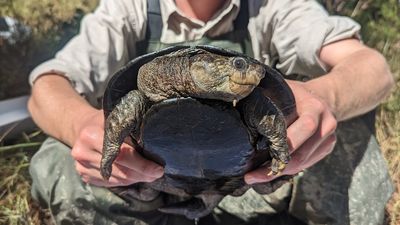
273,127
125,118
264,118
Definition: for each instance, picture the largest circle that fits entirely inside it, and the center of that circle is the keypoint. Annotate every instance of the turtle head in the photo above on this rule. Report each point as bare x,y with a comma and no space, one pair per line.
227,78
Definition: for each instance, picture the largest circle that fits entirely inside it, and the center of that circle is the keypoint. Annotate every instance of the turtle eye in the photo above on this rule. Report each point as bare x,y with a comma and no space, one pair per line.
239,63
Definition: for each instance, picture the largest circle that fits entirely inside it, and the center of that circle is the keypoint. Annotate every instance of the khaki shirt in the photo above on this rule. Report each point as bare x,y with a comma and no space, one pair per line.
286,33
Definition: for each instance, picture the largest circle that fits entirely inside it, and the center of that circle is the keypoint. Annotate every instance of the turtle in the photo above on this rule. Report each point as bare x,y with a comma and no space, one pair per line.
207,114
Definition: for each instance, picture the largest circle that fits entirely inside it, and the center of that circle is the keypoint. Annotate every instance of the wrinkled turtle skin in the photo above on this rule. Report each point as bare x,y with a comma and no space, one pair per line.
208,115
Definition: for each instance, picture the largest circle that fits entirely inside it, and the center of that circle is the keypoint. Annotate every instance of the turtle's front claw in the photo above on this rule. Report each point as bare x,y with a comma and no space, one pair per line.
277,167
110,152
105,168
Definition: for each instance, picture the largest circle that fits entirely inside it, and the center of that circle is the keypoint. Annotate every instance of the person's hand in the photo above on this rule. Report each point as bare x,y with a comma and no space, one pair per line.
311,136
128,168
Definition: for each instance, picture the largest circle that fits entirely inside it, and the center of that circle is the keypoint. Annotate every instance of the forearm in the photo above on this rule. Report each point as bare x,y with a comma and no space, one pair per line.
355,85
57,108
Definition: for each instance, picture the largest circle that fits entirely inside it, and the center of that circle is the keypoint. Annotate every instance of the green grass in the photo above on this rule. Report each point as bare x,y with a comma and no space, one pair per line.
16,205
55,21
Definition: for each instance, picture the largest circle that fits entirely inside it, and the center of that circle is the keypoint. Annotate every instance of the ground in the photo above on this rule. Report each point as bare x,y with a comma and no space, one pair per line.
53,23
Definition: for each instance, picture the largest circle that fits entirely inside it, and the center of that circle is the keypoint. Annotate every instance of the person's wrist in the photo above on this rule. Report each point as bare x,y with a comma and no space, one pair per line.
84,117
324,89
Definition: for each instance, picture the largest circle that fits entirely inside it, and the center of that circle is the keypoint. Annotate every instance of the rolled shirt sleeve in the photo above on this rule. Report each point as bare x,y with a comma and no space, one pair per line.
300,29
106,42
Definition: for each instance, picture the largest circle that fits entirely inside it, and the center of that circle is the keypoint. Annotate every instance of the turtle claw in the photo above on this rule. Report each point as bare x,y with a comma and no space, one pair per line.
105,170
110,153
277,167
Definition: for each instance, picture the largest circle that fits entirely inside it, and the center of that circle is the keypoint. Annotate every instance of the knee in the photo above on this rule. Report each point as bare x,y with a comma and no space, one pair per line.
46,168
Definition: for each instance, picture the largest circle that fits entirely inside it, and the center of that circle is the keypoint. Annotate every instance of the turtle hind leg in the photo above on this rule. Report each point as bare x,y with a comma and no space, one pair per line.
124,119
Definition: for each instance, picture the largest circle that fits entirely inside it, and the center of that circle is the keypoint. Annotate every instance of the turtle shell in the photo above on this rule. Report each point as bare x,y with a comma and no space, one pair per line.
202,143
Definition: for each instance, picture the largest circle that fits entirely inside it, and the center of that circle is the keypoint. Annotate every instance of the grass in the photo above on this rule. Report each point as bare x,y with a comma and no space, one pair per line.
53,23
16,205
388,134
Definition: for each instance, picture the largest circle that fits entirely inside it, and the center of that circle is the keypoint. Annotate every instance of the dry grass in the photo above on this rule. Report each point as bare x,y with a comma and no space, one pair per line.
49,19
388,134
16,205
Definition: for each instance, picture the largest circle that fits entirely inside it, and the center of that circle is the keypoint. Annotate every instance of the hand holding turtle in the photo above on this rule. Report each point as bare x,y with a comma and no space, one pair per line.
87,152
311,136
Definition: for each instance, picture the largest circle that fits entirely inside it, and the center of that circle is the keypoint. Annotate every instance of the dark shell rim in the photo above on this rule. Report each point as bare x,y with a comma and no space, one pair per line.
122,81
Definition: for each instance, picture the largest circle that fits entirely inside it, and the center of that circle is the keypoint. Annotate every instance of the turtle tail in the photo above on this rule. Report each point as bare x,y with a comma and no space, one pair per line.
124,119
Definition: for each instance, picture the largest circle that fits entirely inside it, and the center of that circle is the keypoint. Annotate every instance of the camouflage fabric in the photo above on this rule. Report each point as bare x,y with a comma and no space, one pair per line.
350,186
57,185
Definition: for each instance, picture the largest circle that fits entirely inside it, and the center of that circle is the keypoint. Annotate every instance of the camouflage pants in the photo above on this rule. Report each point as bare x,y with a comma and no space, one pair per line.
350,186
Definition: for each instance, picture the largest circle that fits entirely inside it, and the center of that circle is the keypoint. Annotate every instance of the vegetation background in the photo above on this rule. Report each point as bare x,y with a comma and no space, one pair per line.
53,22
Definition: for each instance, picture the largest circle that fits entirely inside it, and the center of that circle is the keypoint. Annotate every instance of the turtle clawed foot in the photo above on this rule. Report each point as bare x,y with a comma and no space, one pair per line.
110,153
280,158
106,174
105,170
277,167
